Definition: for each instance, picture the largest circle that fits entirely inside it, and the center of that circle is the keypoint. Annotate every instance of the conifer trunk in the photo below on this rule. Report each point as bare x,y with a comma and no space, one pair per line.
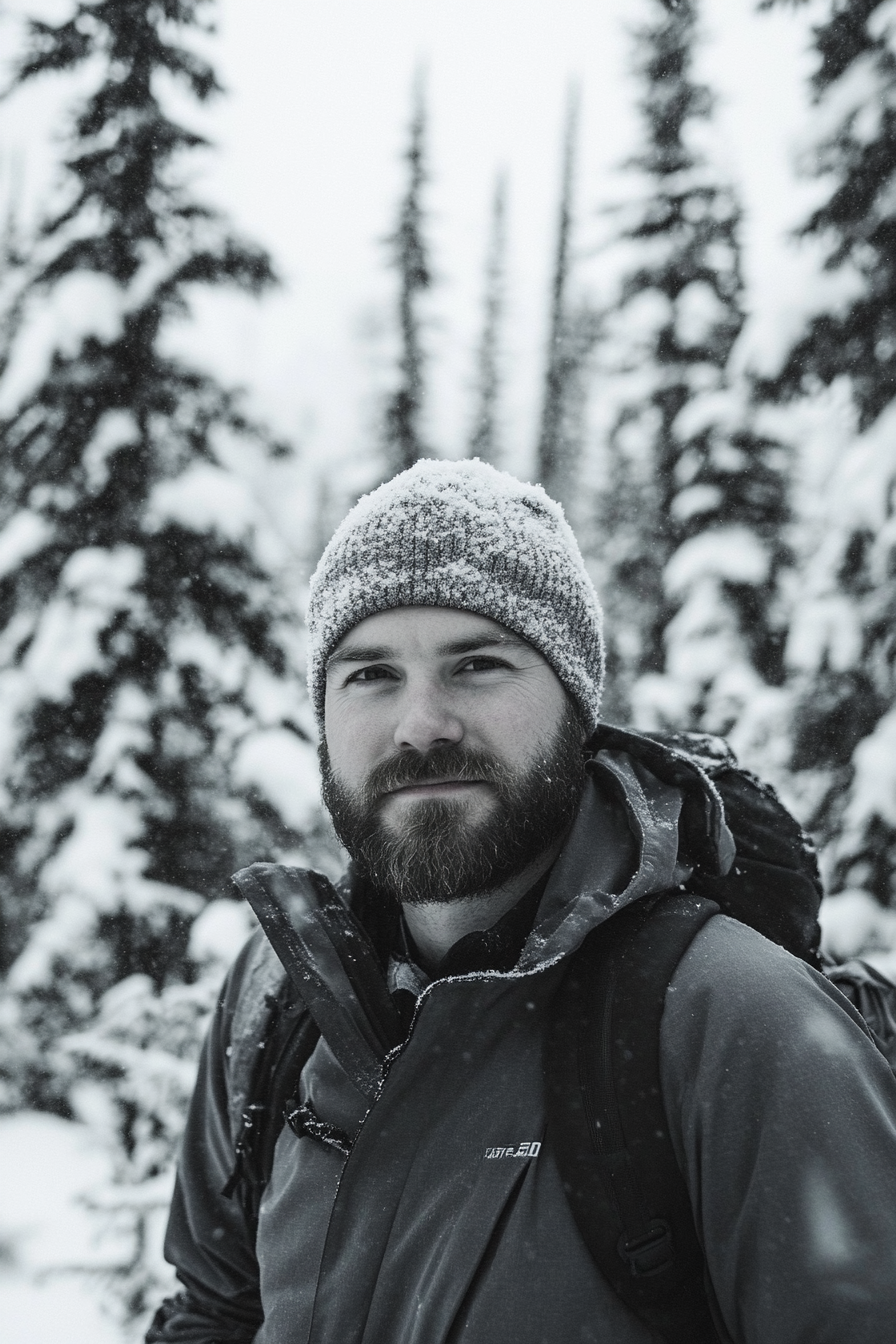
403,431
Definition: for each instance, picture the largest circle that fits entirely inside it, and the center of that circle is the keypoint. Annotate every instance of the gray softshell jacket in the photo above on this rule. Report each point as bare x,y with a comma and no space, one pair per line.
447,1221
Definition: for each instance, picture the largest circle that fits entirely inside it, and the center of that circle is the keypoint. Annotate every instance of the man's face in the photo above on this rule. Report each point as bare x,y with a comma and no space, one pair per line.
452,756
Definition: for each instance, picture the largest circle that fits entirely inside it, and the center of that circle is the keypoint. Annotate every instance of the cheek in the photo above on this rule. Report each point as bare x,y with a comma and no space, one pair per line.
519,728
353,741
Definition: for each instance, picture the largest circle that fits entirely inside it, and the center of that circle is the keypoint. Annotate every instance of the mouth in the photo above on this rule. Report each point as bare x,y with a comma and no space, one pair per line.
434,788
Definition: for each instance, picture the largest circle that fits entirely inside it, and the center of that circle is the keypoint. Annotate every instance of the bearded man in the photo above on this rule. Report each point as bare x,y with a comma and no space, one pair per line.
414,1195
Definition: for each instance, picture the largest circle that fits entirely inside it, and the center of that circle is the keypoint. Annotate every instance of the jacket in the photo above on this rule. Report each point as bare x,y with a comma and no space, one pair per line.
447,1220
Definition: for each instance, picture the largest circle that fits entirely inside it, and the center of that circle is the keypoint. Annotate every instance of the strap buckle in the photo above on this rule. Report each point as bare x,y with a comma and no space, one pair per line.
650,1254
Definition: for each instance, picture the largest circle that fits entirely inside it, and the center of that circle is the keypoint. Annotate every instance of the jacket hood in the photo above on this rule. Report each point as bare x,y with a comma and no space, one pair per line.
675,824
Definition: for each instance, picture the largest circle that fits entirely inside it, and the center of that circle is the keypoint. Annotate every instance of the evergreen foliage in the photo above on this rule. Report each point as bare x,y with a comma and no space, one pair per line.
403,433
135,1068
484,439
12,264
143,661
572,334
692,516
842,649
856,223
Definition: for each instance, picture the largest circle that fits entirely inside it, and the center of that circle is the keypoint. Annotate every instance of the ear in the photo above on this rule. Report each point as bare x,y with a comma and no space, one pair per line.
578,719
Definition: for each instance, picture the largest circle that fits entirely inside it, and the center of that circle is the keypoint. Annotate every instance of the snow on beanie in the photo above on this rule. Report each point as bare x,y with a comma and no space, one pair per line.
462,535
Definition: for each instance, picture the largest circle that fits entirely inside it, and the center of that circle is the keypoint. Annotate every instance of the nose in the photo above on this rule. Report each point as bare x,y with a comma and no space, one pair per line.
426,720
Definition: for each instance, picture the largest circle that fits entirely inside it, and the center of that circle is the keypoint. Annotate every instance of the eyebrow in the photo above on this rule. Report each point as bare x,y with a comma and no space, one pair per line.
373,653
360,653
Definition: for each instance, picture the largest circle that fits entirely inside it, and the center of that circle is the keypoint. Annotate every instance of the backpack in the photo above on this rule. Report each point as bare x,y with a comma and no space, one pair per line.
605,1118
605,1110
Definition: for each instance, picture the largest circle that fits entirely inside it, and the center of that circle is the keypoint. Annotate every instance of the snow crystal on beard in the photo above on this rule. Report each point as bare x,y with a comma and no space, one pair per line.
439,855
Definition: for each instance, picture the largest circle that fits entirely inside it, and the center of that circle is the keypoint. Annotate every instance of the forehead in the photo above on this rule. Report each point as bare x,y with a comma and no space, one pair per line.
412,631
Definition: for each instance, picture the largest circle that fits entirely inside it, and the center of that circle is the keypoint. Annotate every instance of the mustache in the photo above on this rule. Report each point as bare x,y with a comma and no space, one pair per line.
464,764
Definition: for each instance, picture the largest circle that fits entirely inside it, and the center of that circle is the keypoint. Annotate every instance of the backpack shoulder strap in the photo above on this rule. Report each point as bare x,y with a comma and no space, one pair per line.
606,1119
274,1037
262,981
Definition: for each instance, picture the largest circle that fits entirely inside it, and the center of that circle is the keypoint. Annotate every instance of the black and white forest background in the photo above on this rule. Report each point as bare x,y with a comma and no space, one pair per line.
254,259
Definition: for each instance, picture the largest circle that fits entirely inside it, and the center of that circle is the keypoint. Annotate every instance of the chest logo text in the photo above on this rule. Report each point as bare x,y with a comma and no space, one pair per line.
523,1150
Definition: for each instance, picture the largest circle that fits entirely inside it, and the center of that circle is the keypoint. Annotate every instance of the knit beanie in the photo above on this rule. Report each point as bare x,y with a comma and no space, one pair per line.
466,536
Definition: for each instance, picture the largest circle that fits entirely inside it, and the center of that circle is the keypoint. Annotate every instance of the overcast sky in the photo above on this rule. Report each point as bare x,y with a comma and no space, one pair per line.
308,161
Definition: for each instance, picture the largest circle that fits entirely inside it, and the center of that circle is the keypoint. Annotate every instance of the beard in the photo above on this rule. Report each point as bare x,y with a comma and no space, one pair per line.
437,853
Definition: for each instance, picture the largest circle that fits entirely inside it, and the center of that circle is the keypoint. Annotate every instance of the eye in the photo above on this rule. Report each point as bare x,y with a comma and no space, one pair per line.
481,663
373,673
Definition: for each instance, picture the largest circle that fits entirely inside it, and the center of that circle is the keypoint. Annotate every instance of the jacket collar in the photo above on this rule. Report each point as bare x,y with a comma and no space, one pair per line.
624,844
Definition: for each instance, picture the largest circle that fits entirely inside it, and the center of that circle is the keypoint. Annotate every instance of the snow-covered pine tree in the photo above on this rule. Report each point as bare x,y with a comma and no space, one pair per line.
145,674
484,438
404,439
691,520
10,285
11,274
572,333
842,649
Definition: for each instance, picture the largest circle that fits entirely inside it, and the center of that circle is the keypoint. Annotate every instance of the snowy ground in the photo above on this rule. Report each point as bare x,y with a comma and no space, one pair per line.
47,1167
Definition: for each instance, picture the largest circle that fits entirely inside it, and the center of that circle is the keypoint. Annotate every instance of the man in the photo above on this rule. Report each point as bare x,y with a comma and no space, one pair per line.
455,665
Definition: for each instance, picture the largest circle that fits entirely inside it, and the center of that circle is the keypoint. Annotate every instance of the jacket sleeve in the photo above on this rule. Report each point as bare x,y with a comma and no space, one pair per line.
209,1241
783,1114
